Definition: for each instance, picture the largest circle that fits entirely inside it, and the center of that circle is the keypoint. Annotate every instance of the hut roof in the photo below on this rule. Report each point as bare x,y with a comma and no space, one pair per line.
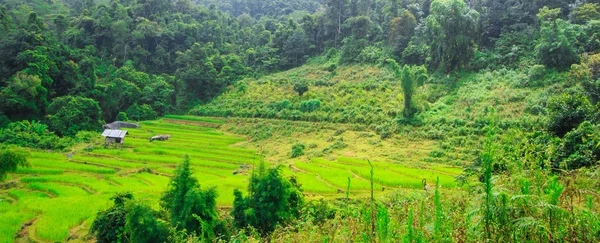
114,133
119,124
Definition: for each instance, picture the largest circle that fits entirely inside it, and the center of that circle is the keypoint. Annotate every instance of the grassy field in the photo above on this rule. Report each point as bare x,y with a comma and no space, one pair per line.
59,197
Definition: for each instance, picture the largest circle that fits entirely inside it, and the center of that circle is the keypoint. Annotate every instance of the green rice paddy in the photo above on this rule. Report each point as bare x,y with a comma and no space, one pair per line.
59,197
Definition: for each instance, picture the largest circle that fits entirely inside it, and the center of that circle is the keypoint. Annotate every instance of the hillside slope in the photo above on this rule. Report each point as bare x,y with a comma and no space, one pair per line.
453,110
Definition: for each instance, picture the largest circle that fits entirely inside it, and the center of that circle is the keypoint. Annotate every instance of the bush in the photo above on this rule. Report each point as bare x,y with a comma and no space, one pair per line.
33,135
297,150
140,113
310,105
536,73
567,111
143,225
554,48
10,160
318,212
370,55
188,206
579,148
68,115
122,116
301,88
109,225
272,200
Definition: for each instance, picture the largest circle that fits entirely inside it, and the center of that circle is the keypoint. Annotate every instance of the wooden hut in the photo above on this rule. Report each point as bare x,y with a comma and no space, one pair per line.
114,137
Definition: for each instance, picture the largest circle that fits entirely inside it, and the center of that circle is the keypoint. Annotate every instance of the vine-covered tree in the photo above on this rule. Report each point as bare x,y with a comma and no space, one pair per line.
410,78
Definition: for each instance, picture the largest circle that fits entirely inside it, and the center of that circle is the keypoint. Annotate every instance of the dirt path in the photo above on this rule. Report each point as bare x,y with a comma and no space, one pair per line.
23,233
75,231
14,200
47,193
117,169
296,169
84,187
339,190
357,176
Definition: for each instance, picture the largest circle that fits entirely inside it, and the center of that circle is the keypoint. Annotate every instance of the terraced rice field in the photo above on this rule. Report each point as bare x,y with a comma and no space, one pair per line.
57,198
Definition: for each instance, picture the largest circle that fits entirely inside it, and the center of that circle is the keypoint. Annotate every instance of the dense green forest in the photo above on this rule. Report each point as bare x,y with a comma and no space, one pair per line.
452,120
150,58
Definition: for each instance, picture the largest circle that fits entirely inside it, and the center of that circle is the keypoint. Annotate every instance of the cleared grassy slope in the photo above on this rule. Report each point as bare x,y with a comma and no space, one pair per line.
366,99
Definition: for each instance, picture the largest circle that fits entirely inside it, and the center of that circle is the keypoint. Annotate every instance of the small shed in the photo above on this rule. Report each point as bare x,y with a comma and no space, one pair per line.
114,136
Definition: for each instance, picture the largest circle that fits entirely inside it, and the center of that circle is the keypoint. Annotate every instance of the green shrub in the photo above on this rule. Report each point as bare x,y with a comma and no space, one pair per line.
297,150
122,116
567,111
189,207
579,148
33,135
301,88
555,49
143,225
536,73
10,160
142,112
371,55
68,115
109,225
272,200
318,212
331,67
310,105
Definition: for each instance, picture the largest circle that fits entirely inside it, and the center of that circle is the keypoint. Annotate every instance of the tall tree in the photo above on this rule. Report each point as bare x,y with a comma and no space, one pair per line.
401,31
451,27
410,78
336,15
554,48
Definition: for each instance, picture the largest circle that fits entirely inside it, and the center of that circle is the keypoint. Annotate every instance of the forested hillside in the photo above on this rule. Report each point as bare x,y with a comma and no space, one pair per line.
300,120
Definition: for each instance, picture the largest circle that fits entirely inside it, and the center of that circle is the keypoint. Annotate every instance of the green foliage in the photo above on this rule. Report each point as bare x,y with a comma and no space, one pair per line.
34,135
353,45
402,29
410,77
318,212
82,114
579,148
487,162
585,13
109,225
371,54
300,88
272,200
143,225
10,160
536,73
554,47
122,116
310,105
567,111
140,113
451,30
189,207
297,150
